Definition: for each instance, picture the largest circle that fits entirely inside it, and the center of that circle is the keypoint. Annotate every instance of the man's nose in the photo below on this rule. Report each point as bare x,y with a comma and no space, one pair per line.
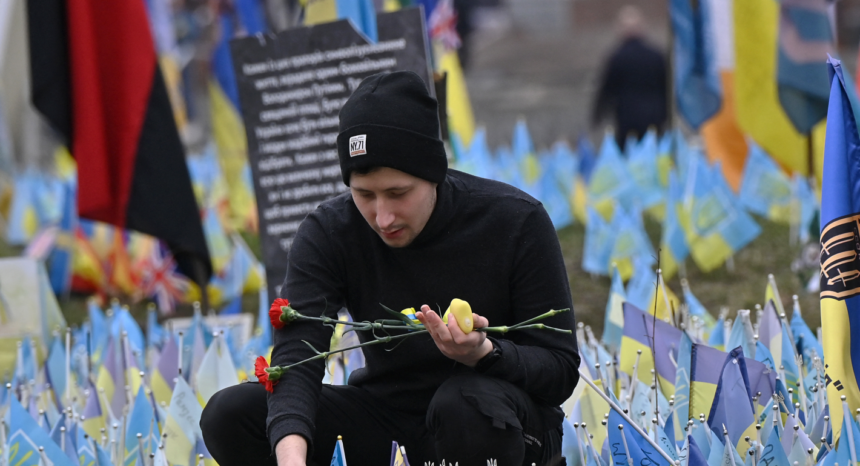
384,215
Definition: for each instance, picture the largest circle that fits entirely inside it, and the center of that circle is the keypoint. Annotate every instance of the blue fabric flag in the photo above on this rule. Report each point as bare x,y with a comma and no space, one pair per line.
641,286
789,361
702,434
338,458
25,437
840,265
86,455
715,223
673,240
56,367
570,447
155,333
555,200
805,40
695,306
697,81
733,406
251,15
695,457
587,158
806,341
60,259
564,166
477,159
141,421
63,438
762,355
645,171
639,449
233,307
599,240
122,321
742,334
362,14
808,204
765,189
99,329
611,182
26,365
773,452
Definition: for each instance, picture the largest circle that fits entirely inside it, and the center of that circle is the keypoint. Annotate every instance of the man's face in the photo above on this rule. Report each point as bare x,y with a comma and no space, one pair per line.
395,204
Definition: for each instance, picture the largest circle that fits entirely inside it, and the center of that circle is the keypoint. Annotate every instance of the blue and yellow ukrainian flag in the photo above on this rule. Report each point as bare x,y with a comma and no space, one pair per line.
645,171
599,241
630,242
840,263
714,222
524,154
638,330
610,181
730,400
673,242
706,365
765,189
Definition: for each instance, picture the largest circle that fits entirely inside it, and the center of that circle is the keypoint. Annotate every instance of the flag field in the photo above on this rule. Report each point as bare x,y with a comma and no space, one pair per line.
741,289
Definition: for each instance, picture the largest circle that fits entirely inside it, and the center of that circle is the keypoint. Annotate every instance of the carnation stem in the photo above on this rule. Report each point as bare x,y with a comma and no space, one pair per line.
540,317
275,372
358,325
507,329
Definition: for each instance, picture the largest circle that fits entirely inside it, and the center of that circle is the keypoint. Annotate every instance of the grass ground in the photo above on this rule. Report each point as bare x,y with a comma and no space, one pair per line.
741,289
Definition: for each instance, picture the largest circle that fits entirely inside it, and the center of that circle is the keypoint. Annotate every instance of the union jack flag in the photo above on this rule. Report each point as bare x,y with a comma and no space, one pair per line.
162,282
443,25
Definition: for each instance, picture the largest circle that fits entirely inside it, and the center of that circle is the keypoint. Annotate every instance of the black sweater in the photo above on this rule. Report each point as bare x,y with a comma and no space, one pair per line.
485,242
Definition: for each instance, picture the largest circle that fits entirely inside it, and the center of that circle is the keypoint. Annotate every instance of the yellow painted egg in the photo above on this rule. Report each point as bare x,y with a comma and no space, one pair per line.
463,312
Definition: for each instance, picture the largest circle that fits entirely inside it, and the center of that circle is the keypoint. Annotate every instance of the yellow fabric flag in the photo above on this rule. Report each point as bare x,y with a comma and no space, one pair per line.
460,118
320,11
759,111
593,408
229,134
579,199
664,311
173,80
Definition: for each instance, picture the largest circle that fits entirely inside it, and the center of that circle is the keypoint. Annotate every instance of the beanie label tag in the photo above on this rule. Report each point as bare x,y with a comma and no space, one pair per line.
357,145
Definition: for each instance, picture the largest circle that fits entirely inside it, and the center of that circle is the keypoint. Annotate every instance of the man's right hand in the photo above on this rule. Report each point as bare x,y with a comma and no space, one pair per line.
292,450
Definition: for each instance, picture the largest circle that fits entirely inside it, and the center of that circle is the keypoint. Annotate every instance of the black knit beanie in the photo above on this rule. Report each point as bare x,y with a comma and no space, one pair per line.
391,121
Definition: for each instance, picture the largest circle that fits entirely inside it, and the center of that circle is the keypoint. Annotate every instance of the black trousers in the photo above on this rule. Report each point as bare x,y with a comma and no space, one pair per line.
471,418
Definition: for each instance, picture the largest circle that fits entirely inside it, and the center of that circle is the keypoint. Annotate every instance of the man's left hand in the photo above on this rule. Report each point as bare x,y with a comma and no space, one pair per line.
465,348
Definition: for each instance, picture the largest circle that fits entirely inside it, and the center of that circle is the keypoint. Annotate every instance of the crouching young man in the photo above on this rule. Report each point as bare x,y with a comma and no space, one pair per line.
413,233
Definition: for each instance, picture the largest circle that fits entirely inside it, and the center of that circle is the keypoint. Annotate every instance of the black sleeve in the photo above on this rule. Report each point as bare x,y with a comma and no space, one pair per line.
314,286
543,363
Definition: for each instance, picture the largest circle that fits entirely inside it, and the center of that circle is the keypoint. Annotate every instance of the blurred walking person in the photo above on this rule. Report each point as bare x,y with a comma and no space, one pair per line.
633,86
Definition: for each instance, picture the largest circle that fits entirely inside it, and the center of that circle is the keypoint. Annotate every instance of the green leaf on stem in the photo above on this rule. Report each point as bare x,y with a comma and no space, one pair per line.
399,316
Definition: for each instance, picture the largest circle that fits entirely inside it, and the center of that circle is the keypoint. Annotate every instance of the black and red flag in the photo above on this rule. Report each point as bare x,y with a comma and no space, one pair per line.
95,77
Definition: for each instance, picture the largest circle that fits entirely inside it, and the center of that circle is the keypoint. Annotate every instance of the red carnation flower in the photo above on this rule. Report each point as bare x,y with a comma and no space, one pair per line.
276,313
260,366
